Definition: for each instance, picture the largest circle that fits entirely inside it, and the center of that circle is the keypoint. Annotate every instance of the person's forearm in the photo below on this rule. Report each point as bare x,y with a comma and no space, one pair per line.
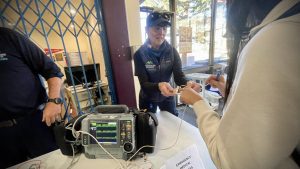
54,85
148,86
208,123
179,76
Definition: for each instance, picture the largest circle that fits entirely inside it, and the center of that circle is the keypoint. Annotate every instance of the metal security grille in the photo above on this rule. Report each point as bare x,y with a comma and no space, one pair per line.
71,33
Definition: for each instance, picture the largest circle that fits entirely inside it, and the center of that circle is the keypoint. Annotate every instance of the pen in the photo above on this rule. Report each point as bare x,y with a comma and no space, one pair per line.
208,86
218,75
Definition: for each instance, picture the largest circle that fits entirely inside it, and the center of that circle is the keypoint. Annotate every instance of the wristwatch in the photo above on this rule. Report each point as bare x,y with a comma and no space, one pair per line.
55,100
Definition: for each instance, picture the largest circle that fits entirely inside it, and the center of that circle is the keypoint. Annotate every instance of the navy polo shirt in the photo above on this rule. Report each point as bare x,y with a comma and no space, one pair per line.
21,61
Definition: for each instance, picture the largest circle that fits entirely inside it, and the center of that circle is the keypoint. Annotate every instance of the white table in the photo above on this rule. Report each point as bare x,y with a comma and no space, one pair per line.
166,135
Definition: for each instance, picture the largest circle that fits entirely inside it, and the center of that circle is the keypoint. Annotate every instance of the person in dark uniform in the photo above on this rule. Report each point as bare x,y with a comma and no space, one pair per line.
155,62
24,116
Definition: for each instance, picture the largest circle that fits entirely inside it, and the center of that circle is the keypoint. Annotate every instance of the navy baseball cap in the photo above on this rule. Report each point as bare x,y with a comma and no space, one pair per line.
158,19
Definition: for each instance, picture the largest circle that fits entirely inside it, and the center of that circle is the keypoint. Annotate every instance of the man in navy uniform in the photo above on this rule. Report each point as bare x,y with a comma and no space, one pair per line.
23,120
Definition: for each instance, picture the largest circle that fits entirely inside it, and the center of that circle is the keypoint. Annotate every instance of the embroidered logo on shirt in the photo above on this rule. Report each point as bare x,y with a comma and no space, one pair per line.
168,61
149,65
3,57
149,62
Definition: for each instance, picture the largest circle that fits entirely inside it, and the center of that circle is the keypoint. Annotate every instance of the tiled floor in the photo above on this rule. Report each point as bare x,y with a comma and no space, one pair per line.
187,114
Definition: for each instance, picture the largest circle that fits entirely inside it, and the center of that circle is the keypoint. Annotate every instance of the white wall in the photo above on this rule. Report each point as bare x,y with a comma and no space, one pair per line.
134,33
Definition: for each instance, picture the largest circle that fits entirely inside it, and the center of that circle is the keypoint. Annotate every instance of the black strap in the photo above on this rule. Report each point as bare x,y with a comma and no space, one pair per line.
246,36
296,156
154,118
293,11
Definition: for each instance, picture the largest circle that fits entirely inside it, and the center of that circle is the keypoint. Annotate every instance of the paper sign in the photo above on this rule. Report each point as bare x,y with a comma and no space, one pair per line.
185,39
186,159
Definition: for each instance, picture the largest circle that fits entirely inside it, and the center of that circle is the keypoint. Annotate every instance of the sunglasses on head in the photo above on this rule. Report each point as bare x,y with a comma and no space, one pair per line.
154,16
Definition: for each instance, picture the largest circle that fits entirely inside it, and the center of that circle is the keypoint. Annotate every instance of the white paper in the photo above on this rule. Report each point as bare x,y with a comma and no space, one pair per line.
189,158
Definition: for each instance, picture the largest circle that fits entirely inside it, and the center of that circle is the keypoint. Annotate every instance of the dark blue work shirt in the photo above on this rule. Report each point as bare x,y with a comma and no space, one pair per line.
154,66
21,61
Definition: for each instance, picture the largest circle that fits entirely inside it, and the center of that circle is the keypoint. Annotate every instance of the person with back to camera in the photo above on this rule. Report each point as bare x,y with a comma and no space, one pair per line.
23,120
260,127
155,62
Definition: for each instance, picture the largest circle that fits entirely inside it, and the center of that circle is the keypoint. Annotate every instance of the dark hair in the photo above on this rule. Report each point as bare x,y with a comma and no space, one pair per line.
242,15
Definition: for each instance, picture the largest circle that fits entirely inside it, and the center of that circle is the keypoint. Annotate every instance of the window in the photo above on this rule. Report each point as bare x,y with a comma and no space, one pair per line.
193,28
156,4
193,32
148,6
220,31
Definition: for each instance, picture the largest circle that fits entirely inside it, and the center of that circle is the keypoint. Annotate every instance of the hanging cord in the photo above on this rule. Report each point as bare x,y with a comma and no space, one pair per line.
177,132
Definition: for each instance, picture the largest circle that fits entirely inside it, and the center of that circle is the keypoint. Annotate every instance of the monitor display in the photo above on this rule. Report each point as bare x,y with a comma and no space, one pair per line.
104,132
78,76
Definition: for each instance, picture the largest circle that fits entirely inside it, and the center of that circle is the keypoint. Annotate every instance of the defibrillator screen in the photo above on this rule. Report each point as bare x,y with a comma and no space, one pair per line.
104,131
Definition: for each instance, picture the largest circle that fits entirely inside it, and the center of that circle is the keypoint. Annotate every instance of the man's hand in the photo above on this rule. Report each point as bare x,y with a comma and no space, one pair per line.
166,89
51,113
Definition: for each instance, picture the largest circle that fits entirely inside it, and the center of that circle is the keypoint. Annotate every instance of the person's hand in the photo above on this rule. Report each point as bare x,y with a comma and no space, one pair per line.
166,89
189,96
51,113
196,86
219,84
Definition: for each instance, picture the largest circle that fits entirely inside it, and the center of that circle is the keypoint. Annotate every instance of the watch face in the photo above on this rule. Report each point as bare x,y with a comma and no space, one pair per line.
56,100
